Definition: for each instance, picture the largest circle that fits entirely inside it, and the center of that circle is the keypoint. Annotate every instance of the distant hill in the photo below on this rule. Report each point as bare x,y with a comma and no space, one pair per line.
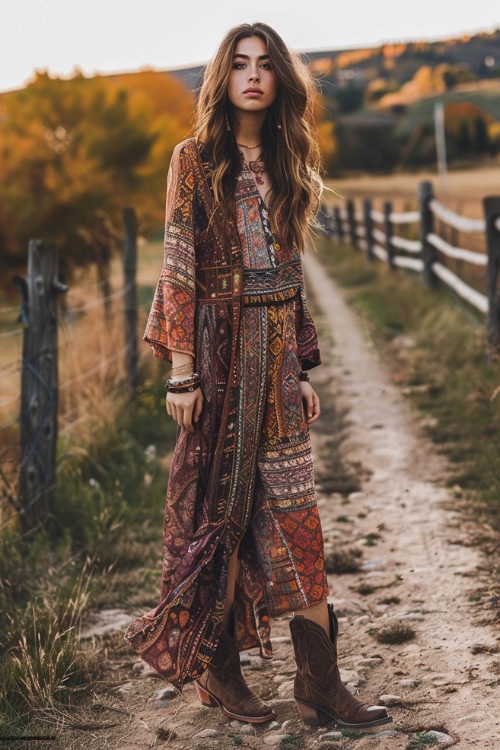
398,61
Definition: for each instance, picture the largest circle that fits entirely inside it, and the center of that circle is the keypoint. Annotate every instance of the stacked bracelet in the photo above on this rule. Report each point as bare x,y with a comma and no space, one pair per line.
182,385
304,376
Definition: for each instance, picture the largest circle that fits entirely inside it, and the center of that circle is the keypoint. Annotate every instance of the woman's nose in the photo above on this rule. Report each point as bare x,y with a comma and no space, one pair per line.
253,76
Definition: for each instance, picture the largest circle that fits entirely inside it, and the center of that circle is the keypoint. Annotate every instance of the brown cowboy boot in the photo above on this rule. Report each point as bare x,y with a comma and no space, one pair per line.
319,693
223,685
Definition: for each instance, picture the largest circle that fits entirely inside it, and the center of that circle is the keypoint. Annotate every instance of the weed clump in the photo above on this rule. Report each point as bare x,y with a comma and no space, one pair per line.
344,561
399,632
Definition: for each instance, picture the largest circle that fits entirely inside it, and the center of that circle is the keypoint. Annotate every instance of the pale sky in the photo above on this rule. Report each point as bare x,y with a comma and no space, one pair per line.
116,35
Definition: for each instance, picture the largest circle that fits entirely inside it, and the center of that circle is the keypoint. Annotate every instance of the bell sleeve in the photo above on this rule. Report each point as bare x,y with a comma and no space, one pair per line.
170,325
307,338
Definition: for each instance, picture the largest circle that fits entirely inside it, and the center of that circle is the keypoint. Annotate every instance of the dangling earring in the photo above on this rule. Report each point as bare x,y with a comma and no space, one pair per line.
279,126
228,124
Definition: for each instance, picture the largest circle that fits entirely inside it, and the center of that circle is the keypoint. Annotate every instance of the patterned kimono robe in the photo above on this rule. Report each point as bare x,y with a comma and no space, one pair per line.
235,301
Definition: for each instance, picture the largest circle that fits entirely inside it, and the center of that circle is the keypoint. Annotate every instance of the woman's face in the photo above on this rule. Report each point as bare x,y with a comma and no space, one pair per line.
252,85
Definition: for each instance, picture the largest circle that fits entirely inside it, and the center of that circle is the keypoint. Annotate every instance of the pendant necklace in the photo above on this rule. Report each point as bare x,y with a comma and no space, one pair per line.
256,166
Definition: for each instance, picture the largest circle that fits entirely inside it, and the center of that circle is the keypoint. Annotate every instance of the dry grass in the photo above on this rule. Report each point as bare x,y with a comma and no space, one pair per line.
344,561
398,632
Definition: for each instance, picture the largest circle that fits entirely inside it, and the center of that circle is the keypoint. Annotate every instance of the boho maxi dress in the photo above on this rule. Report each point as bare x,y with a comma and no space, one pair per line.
236,302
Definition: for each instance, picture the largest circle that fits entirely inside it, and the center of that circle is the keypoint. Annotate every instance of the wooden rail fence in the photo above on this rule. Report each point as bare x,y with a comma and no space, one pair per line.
378,234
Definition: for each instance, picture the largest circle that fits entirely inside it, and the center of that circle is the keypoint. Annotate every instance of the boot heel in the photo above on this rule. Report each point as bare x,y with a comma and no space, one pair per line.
311,715
205,698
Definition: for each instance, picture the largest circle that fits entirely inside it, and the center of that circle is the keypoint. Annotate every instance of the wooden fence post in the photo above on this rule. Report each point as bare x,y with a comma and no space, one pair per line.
367,214
39,382
491,207
351,218
130,297
388,229
339,229
425,195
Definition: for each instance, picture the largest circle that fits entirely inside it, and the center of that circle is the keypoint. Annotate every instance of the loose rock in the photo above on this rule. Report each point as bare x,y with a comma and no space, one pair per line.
390,700
275,739
246,729
410,683
166,693
207,733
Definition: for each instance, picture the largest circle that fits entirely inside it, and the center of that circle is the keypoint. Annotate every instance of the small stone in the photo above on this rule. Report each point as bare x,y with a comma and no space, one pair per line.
349,677
361,620
408,682
378,562
165,703
373,661
329,736
235,724
151,673
246,729
207,733
126,687
282,639
415,616
386,733
275,739
438,737
285,688
274,725
288,724
390,700
166,693
472,718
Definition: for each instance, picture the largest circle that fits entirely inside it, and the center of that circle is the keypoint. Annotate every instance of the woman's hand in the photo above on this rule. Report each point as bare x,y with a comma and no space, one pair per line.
310,401
185,408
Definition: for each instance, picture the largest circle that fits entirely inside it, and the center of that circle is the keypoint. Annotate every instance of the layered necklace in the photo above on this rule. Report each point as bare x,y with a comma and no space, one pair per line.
256,166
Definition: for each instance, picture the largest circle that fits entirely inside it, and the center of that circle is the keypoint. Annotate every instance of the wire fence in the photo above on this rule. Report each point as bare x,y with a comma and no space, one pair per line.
65,377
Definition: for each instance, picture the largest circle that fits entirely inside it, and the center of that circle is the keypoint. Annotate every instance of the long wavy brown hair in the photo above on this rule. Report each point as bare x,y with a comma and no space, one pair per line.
291,152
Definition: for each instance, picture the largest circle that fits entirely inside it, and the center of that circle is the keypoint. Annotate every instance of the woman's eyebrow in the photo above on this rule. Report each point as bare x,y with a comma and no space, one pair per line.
247,57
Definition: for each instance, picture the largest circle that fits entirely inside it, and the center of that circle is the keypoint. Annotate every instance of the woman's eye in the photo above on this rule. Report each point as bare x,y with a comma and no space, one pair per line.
266,66
239,66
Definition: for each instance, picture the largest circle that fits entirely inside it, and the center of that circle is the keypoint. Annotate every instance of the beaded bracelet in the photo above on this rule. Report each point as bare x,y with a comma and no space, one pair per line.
304,377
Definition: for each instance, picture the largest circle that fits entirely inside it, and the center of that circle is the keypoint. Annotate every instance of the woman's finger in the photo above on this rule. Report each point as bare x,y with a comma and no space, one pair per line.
198,406
186,419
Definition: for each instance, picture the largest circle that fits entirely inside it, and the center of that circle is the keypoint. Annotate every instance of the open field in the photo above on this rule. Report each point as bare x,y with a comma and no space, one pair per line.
464,192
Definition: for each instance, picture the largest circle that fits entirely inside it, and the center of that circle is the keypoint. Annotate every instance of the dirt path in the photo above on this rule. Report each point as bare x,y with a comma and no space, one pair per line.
415,571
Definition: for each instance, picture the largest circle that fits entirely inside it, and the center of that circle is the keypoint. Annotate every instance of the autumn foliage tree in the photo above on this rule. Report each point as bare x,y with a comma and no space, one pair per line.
73,151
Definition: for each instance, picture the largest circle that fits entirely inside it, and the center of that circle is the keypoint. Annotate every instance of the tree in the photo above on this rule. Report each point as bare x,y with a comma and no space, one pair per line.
74,150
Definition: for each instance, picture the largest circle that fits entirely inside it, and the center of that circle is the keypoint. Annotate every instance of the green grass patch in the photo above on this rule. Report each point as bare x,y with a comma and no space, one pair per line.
101,547
422,740
436,353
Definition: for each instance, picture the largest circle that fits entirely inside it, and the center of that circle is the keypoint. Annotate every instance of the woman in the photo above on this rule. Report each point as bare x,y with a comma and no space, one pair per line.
242,536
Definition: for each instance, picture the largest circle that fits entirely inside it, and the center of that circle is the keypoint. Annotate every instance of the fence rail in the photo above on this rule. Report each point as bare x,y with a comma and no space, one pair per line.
374,231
